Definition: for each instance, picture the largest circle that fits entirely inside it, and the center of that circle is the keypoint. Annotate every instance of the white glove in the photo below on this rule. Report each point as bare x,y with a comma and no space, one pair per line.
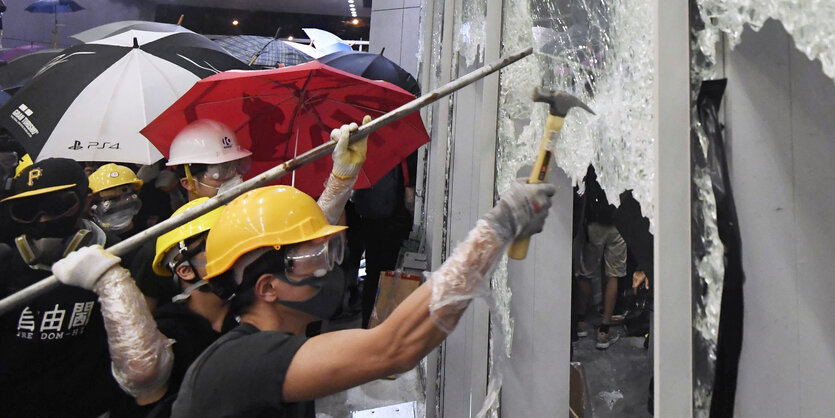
83,267
347,157
522,210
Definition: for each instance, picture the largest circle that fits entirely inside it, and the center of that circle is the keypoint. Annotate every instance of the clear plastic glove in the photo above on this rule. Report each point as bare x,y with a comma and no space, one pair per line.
347,157
522,210
84,267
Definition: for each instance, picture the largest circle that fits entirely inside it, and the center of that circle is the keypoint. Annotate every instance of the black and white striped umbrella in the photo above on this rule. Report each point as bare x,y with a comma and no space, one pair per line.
90,102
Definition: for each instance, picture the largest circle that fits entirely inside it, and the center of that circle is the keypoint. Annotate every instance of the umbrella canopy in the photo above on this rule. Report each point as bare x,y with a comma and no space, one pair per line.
54,6
279,114
269,51
12,53
90,101
325,41
19,70
374,67
115,28
306,49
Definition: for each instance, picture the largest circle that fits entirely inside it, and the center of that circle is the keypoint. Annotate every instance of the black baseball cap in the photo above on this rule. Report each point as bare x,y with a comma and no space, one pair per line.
49,175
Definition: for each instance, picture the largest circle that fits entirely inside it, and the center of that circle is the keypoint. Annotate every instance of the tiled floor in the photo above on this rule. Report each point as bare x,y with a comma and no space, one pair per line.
618,377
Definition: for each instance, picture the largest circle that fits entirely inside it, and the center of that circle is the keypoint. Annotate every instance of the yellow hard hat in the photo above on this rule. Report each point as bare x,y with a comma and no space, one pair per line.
24,162
171,238
270,216
112,175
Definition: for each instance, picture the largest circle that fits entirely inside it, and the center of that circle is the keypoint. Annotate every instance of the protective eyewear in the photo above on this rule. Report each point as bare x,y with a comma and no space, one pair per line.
53,205
314,258
128,202
196,257
227,170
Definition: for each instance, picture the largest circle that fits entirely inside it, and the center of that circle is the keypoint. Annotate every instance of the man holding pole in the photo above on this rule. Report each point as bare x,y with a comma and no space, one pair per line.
150,359
53,351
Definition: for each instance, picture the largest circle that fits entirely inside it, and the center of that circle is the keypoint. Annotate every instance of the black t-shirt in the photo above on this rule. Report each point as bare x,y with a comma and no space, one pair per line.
242,375
192,333
54,359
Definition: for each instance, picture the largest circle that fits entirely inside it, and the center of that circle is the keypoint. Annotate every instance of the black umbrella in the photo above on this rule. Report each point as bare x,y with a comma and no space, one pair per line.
373,67
19,70
90,101
263,51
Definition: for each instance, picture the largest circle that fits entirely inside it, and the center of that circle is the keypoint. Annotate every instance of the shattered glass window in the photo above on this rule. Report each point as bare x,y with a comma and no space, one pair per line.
810,24
601,52
808,21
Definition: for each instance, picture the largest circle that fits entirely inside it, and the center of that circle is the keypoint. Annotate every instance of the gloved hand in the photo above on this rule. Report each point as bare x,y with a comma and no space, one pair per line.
522,210
348,158
83,268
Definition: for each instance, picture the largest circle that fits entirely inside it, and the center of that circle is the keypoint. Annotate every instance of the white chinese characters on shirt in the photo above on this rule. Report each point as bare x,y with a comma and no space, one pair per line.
52,323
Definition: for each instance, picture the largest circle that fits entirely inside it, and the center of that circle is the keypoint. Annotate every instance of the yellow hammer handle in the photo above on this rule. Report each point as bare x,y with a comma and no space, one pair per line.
519,249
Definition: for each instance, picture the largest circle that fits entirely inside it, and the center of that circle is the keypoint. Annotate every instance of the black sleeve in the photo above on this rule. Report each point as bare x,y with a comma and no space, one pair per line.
149,283
411,165
5,265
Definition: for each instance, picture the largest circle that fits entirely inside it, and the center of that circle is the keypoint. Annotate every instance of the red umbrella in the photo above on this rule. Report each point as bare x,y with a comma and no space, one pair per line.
279,114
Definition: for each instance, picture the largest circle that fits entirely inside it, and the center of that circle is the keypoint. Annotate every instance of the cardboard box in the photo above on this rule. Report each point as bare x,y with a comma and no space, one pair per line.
394,288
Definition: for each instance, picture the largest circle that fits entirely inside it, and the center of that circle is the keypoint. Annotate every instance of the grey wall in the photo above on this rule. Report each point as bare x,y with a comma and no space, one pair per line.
395,26
537,381
781,132
22,28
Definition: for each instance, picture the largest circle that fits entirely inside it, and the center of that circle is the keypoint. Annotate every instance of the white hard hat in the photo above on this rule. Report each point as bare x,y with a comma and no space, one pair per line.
205,141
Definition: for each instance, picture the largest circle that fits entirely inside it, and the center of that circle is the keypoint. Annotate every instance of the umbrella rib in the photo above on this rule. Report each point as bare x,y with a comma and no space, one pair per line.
302,93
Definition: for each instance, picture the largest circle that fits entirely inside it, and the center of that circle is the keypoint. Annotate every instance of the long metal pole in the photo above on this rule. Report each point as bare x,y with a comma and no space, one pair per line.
12,301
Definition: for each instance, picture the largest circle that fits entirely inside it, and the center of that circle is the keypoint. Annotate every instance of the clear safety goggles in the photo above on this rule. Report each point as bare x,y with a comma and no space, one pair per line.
227,170
127,201
314,258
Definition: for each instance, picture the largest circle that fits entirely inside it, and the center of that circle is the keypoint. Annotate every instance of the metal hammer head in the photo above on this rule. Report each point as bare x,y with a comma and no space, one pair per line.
560,102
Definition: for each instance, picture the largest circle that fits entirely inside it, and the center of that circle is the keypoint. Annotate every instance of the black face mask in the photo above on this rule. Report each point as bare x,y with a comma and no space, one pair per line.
328,298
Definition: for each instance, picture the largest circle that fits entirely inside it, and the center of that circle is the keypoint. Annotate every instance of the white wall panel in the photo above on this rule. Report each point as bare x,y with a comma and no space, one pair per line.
780,127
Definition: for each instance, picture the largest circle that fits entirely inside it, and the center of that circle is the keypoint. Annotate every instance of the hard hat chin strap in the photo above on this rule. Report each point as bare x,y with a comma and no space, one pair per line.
189,178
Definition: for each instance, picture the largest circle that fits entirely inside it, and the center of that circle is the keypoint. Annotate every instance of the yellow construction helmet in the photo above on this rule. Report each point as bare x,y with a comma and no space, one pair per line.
271,216
168,240
24,162
112,175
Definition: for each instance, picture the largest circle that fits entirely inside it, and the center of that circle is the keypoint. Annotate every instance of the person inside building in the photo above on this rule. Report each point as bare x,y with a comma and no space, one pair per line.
208,158
272,253
54,353
147,366
115,199
603,246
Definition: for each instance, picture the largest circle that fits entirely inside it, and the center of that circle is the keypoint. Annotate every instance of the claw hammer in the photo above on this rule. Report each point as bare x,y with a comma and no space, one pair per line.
559,104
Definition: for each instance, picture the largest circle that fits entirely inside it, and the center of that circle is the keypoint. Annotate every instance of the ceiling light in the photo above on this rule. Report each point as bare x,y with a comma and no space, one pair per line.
350,1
